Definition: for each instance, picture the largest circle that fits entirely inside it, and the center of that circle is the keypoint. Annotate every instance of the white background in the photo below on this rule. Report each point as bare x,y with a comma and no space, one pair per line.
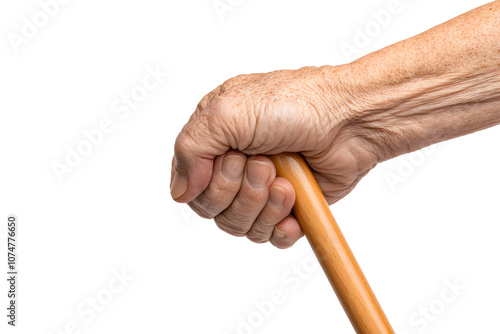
439,223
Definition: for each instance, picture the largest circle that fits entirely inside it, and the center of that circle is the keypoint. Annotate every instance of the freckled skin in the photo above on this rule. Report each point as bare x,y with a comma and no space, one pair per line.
345,119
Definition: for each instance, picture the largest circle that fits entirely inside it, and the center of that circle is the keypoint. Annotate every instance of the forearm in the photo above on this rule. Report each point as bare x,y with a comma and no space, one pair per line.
435,86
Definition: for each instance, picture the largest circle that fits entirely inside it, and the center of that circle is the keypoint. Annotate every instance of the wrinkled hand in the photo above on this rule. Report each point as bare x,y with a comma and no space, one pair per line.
220,166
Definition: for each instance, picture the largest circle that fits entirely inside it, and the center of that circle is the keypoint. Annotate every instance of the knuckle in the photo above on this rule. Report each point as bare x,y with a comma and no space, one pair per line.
200,107
280,244
249,202
232,117
267,222
206,205
233,81
222,190
219,107
220,112
216,199
200,210
205,101
257,237
229,226
239,219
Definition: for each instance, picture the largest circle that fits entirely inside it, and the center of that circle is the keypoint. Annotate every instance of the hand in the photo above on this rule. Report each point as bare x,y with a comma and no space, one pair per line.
344,120
260,114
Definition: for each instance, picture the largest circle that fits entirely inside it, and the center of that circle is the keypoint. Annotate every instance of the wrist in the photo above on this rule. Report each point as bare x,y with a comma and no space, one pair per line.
399,112
359,112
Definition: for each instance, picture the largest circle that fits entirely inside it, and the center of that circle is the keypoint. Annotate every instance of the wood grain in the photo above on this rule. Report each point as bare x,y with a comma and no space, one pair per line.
331,249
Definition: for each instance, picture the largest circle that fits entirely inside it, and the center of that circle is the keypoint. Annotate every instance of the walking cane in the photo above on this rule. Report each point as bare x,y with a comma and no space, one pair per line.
330,247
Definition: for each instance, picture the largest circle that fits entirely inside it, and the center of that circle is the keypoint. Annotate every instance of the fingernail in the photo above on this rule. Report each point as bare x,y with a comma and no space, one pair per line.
179,185
232,167
258,173
279,233
277,196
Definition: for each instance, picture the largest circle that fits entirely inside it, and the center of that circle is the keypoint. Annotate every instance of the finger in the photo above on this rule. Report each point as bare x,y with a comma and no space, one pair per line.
278,206
224,185
251,199
286,233
209,134
195,149
214,128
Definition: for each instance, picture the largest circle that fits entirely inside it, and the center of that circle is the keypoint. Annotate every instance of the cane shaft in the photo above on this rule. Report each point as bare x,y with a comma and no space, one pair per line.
330,247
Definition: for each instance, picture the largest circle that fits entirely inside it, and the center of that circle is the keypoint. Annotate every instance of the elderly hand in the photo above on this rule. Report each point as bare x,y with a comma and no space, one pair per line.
435,86
260,114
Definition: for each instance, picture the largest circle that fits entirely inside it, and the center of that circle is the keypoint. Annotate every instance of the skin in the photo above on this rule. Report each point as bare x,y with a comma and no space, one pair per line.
436,86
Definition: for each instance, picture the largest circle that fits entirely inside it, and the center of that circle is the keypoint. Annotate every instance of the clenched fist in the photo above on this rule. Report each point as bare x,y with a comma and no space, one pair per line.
435,86
220,166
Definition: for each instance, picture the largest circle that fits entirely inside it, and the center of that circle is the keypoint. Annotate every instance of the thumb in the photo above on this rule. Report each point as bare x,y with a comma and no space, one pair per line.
196,147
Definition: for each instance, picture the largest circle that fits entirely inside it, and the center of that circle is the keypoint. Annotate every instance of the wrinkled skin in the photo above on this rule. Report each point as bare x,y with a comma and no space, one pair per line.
251,116
344,120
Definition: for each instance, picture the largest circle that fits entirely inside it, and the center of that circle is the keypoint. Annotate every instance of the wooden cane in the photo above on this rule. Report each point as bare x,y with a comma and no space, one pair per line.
330,247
